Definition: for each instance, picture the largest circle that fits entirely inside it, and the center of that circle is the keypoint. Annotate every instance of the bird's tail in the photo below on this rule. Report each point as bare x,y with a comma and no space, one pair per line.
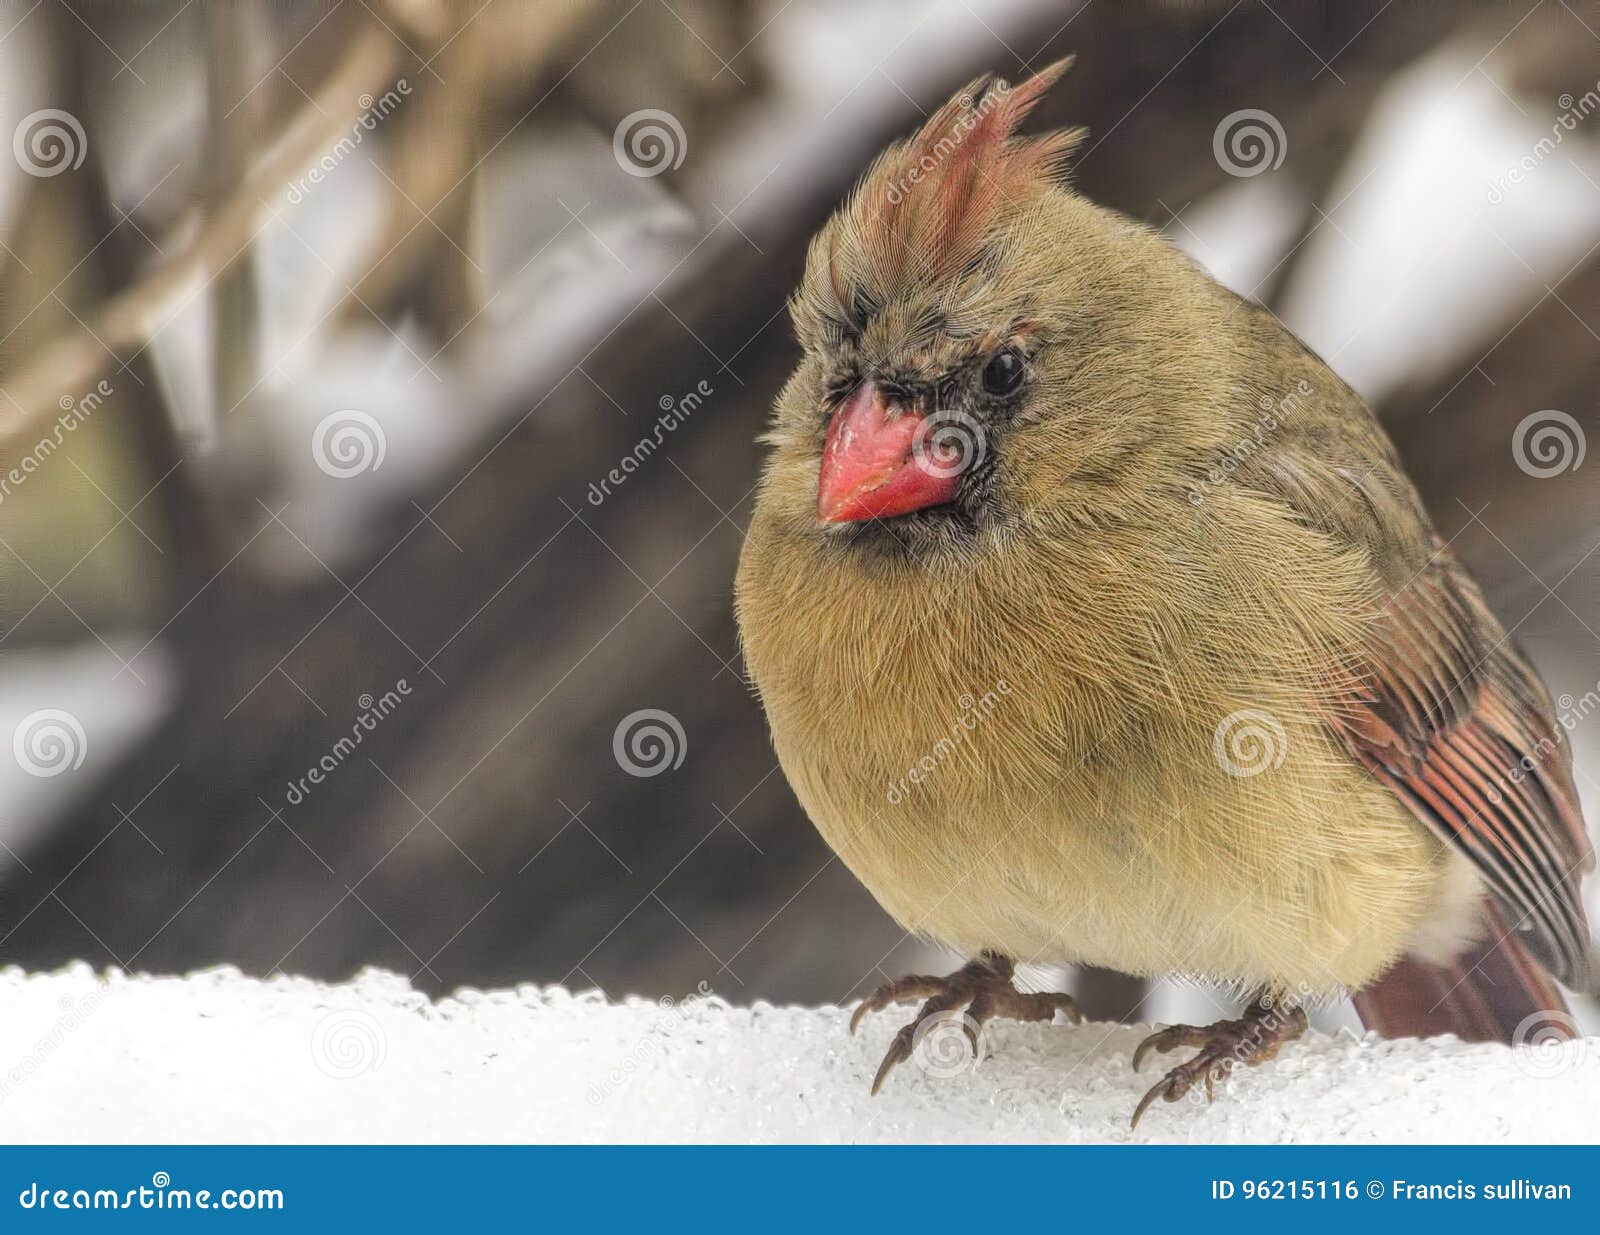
1493,992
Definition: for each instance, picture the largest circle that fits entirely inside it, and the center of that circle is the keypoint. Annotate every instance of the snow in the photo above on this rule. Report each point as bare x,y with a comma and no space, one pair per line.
221,1057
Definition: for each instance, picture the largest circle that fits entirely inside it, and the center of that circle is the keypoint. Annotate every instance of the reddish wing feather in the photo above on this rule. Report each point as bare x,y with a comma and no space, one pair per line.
1457,725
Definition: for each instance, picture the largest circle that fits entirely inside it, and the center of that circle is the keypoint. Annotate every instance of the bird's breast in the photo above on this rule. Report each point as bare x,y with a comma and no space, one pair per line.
1008,765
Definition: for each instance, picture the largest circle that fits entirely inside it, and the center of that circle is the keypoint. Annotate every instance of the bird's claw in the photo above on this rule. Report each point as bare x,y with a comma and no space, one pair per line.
1253,1039
914,986
899,1051
984,986
1170,1039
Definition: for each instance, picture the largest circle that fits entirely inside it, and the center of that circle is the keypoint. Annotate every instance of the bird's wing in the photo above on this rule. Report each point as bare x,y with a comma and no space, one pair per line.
1453,720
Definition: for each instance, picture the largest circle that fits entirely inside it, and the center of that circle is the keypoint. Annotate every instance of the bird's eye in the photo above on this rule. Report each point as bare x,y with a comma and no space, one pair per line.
1003,373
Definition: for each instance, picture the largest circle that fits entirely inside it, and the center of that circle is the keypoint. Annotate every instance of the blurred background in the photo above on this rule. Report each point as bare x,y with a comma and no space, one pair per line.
379,386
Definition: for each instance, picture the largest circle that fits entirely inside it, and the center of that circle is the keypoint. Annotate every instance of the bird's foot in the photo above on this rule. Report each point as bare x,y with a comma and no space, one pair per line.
1254,1038
983,986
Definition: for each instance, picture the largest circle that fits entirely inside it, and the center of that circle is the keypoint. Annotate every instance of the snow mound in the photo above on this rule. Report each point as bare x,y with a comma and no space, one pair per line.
220,1057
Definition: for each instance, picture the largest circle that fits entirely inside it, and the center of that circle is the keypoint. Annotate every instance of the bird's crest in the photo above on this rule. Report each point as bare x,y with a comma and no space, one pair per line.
927,206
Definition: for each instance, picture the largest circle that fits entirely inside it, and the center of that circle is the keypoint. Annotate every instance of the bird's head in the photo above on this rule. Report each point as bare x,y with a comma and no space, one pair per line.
975,336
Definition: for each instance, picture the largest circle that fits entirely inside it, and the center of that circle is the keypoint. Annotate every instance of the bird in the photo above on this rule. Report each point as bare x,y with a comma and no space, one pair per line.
1095,621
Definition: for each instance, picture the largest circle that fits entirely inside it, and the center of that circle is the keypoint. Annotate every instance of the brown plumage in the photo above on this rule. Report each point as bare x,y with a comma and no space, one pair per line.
1095,620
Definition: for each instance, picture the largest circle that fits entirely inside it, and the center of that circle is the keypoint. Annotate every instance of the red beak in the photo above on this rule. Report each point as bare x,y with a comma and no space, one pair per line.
874,466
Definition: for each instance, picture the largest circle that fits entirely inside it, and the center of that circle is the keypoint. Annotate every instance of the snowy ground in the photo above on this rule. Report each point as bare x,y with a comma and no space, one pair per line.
220,1057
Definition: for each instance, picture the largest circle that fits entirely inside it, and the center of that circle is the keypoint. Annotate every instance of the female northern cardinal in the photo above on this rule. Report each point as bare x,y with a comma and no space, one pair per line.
1243,715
